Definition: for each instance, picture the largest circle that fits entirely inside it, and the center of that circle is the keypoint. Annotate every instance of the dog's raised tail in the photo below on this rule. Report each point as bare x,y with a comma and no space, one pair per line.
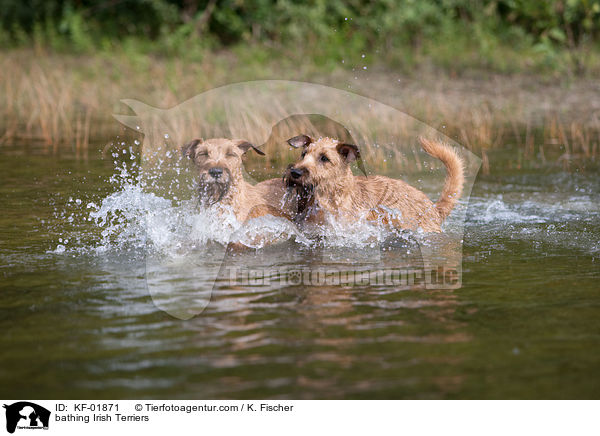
455,177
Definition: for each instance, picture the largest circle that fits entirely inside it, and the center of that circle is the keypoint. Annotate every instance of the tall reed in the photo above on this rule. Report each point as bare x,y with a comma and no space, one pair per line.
66,102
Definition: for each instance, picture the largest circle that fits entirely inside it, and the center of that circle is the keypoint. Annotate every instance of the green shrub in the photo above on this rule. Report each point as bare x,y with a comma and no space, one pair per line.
400,31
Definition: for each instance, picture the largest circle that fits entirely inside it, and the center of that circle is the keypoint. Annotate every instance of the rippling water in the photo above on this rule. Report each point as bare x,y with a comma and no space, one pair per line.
83,246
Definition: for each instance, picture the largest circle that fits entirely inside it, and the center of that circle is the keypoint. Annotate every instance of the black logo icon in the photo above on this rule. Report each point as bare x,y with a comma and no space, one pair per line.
26,415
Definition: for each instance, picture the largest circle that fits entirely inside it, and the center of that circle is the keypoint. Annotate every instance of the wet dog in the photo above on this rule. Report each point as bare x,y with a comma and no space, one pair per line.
323,182
218,162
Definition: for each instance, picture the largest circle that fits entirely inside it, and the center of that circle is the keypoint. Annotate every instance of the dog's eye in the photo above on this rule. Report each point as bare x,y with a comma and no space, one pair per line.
303,154
231,154
202,153
324,158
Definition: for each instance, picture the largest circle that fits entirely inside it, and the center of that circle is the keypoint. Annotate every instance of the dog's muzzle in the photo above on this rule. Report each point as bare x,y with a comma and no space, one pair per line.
294,179
213,185
215,172
296,174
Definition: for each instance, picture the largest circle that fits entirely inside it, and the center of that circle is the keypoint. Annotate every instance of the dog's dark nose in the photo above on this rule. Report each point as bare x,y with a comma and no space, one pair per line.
216,172
295,173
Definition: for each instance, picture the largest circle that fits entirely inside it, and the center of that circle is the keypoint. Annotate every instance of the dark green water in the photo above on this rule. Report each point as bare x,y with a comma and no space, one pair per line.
79,322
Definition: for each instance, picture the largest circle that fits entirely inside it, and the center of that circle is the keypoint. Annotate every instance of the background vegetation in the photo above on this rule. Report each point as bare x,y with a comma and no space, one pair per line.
504,35
489,73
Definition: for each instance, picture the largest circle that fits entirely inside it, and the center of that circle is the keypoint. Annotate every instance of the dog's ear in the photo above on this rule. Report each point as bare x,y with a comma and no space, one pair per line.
245,146
188,149
300,141
351,153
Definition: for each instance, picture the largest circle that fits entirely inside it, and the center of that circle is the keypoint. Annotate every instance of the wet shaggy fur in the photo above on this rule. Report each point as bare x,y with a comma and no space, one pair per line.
323,181
218,162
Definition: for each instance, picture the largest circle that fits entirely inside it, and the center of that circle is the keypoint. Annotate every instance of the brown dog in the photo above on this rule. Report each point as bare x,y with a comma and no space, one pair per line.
220,179
324,182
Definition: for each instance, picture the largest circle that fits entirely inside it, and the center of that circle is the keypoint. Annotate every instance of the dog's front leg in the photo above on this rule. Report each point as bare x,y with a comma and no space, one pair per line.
265,209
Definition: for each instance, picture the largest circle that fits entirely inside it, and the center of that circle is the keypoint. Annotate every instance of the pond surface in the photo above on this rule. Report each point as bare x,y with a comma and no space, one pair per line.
77,319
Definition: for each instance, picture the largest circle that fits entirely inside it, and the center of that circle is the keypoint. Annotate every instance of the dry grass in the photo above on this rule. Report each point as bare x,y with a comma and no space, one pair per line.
66,102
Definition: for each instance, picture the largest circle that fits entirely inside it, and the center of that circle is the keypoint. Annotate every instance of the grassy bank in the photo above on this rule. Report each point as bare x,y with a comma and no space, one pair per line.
66,100
488,73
